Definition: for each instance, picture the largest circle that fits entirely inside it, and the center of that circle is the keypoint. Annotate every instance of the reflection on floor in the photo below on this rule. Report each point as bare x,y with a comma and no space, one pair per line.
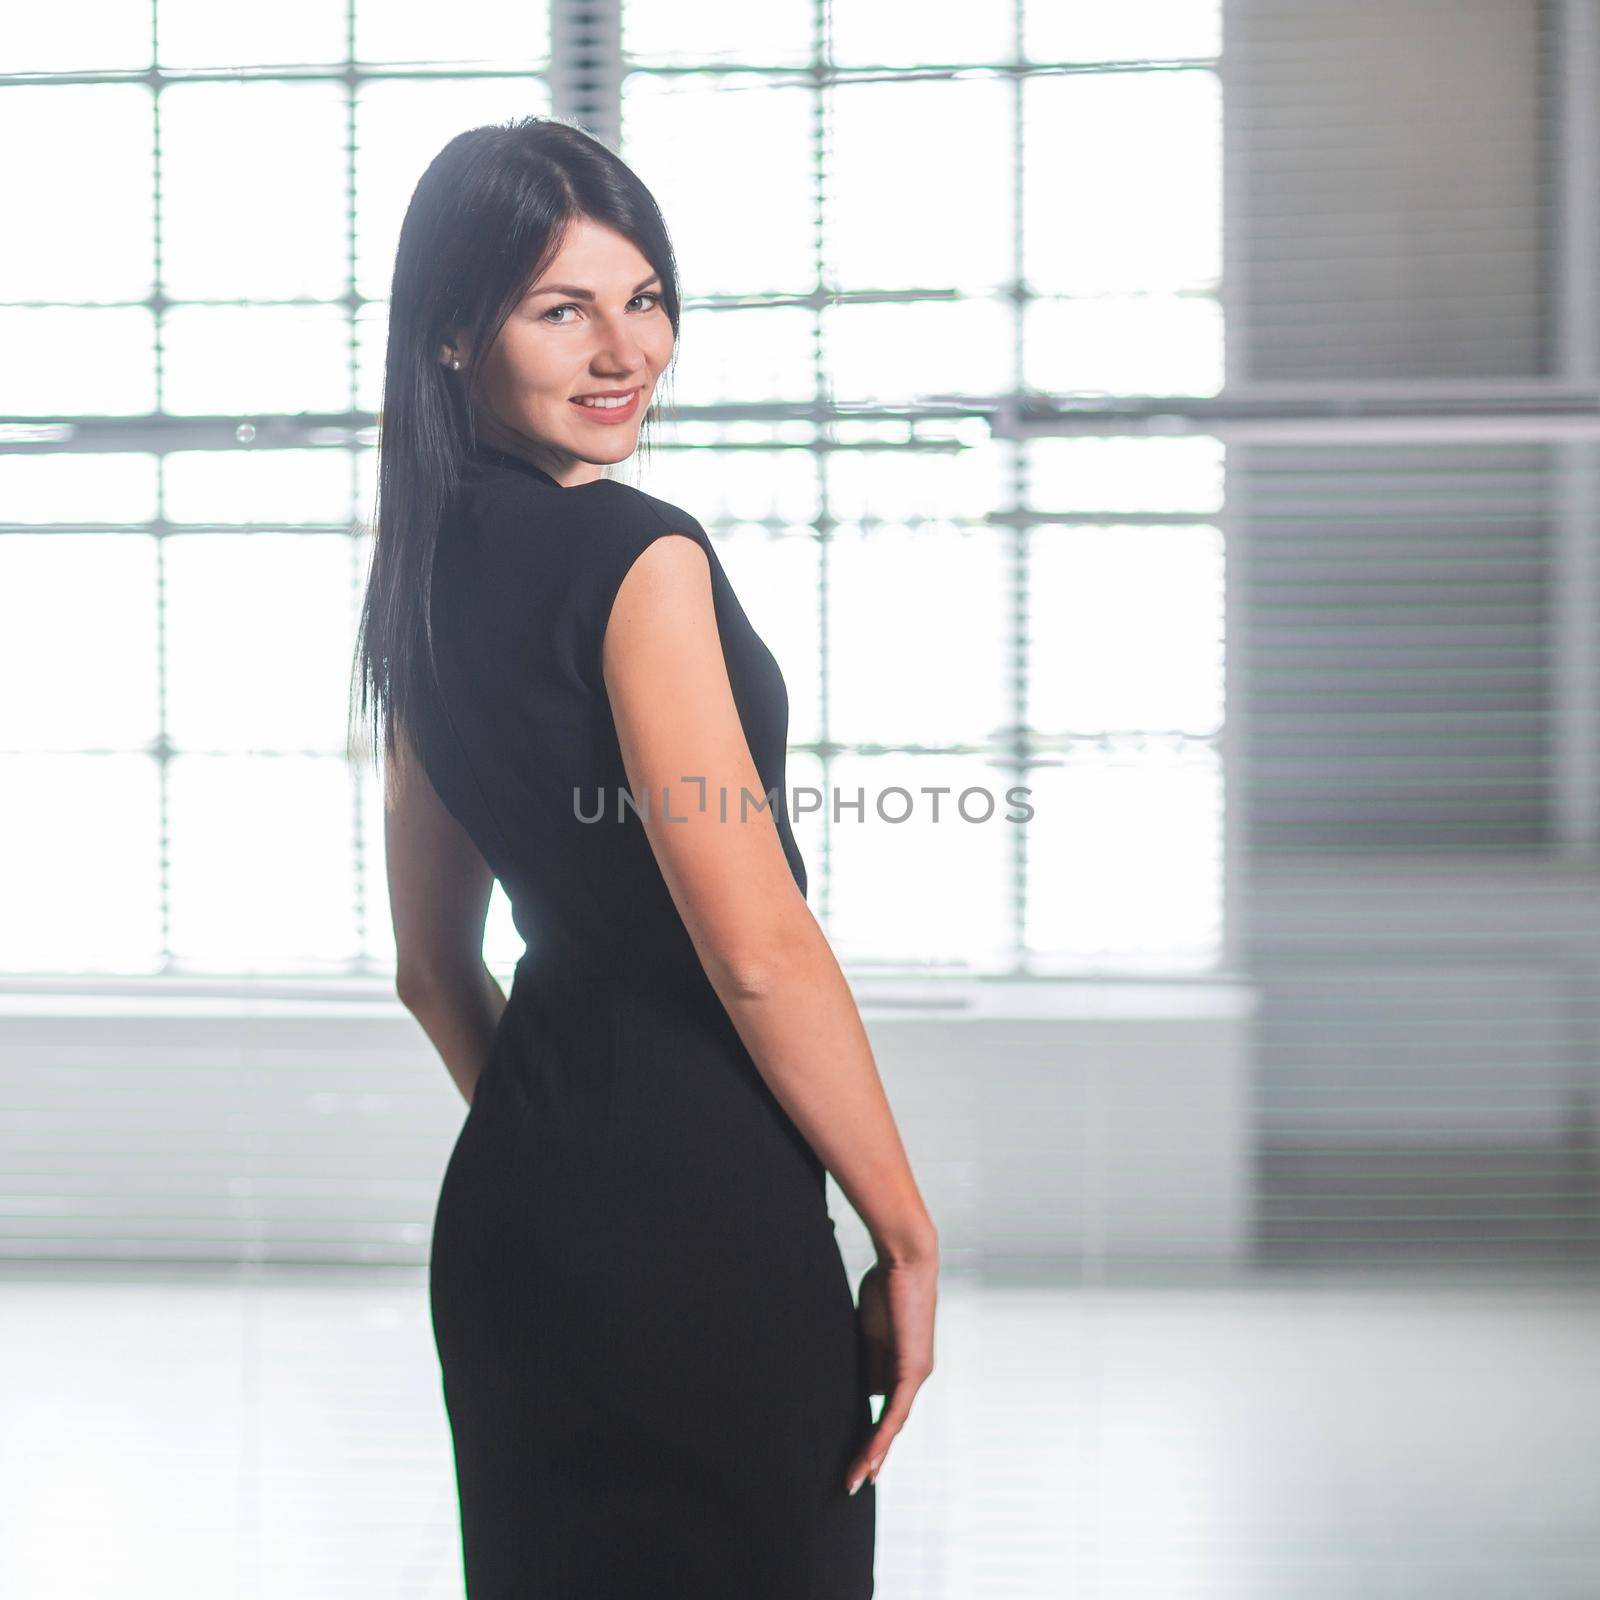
280,1433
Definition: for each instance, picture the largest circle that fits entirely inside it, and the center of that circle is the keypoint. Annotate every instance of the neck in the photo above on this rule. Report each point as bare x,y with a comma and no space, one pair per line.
568,470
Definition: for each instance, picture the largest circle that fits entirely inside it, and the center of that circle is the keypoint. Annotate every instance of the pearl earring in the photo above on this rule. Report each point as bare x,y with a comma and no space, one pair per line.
455,364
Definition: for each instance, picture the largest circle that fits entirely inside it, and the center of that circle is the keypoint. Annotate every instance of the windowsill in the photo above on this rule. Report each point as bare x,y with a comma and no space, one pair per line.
885,996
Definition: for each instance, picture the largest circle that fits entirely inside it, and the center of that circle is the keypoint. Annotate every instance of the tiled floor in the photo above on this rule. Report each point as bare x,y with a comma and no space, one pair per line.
279,1435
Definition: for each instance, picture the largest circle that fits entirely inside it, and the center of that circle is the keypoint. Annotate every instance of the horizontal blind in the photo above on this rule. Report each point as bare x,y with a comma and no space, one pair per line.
1389,166
1398,644
1426,942
1417,702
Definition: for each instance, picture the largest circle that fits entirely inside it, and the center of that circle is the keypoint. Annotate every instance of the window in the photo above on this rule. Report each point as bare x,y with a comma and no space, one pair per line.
897,249
893,276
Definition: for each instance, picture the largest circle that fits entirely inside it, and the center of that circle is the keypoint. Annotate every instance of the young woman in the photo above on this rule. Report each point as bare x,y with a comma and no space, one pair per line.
656,1375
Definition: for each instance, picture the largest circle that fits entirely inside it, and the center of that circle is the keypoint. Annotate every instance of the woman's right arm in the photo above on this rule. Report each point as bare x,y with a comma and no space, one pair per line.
762,949
439,889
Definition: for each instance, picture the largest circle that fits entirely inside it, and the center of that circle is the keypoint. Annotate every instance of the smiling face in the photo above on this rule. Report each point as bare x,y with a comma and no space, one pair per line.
570,376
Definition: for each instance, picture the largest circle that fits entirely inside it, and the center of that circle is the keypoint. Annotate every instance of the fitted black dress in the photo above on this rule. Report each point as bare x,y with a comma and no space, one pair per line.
649,1347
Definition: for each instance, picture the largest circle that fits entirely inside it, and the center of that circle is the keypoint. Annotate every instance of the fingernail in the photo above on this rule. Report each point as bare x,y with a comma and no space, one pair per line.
858,1482
874,1465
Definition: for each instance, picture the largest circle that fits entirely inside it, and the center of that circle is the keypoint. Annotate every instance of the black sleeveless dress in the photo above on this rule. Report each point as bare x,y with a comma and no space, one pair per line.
648,1342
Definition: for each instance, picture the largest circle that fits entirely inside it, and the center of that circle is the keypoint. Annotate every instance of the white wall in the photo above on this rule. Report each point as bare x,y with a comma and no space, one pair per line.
1052,1125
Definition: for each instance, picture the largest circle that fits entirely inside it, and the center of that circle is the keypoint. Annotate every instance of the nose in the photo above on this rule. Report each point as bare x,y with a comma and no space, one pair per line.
617,351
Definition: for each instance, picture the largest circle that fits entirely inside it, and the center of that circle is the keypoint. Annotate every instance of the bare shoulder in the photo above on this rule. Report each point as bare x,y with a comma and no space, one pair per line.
666,584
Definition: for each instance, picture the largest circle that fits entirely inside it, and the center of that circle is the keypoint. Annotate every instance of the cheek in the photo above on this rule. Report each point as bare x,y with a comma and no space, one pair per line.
660,346
526,363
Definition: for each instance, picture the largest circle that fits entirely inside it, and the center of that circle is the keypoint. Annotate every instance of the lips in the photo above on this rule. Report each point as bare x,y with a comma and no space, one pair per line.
608,413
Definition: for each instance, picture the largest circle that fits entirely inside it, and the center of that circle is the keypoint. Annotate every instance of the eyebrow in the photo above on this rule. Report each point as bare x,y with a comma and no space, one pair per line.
588,294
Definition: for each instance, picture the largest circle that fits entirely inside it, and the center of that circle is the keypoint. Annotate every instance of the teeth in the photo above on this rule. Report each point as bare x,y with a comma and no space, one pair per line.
606,404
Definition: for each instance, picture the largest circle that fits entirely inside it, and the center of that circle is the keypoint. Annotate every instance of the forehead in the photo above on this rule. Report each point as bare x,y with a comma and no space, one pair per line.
595,256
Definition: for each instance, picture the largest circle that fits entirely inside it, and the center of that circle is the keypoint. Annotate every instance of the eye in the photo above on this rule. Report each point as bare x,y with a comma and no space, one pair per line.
551,317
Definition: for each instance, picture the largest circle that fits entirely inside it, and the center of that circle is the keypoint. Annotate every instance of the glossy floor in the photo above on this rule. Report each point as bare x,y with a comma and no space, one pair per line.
280,1433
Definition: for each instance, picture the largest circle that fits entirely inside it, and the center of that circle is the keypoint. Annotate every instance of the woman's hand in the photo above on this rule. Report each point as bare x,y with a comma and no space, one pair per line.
895,1313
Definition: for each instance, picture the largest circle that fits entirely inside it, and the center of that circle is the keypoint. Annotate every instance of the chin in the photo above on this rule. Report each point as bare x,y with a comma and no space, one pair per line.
618,452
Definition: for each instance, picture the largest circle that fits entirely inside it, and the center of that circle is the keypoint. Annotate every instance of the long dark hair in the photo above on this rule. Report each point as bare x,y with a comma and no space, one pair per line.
486,218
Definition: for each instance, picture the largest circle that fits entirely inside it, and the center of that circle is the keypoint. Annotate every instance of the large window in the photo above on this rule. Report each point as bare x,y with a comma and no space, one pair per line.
898,263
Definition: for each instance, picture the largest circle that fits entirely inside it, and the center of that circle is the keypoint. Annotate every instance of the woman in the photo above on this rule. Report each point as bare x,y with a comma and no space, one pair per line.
656,1376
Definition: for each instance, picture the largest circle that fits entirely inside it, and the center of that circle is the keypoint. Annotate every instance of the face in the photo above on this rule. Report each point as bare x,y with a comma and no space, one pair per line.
592,325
